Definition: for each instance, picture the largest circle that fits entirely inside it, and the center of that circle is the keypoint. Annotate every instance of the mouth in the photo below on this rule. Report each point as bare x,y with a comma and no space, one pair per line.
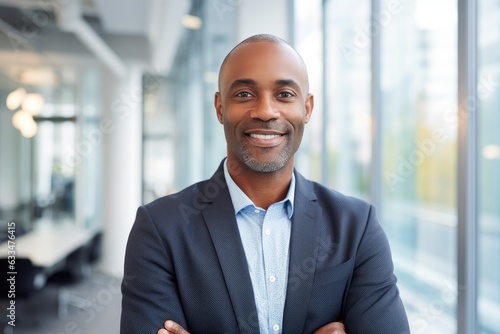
265,138
261,136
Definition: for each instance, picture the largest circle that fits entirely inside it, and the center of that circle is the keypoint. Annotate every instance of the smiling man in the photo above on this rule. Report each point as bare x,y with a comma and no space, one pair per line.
257,247
263,103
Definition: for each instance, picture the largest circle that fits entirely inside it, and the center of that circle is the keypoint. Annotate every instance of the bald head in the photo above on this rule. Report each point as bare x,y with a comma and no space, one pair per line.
260,38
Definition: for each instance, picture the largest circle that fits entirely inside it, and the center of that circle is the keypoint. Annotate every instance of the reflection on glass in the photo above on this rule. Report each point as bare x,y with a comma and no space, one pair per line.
347,70
308,42
158,138
199,142
489,166
53,177
418,105
54,180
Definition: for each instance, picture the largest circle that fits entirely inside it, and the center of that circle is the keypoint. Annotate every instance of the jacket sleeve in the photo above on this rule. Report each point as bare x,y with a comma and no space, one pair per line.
373,304
149,287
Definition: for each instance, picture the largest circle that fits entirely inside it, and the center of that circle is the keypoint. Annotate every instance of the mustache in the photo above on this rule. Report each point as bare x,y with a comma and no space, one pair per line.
267,125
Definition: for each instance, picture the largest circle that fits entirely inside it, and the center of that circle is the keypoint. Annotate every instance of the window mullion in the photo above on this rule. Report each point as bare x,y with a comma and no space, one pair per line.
467,168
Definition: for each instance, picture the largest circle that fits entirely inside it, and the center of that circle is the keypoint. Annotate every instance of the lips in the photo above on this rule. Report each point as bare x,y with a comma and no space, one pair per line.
265,138
261,136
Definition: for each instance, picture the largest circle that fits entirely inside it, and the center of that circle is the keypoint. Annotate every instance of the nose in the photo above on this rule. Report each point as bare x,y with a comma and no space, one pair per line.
265,109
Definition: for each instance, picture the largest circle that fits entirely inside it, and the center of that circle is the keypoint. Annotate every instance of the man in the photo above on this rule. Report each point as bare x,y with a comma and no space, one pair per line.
258,248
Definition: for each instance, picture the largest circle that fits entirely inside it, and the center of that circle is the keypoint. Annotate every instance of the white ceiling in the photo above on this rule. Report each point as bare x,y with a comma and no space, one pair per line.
125,17
115,30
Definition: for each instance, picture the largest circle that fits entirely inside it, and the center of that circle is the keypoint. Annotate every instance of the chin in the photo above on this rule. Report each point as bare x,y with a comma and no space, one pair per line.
265,166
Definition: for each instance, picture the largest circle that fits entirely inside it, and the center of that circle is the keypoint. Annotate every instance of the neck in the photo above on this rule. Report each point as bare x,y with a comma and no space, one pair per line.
262,188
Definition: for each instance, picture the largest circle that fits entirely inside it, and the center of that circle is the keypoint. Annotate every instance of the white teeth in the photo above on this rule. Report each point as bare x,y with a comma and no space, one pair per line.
256,135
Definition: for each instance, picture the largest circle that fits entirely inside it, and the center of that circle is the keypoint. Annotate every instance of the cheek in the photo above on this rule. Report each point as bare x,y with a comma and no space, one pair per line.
299,132
299,126
299,121
232,121
230,129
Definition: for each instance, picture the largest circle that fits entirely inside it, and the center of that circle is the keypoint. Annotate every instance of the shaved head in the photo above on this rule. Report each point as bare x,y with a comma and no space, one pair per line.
265,38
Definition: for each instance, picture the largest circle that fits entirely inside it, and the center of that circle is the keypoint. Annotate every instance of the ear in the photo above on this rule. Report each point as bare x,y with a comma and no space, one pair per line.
309,106
218,107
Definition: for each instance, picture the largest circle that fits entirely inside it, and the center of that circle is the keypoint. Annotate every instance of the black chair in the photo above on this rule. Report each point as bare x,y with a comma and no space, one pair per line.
18,283
22,280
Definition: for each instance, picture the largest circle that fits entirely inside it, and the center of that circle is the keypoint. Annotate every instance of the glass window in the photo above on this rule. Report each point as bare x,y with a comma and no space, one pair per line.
489,165
187,73
419,126
199,138
15,170
419,122
308,42
91,131
58,165
347,96
158,138
54,180
41,162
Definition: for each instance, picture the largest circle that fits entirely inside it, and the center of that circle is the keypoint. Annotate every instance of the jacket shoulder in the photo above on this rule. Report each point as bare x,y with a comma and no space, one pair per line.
175,198
338,204
188,203
324,193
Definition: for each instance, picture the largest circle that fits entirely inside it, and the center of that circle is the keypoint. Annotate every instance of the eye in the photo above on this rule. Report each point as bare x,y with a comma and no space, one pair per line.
243,94
285,95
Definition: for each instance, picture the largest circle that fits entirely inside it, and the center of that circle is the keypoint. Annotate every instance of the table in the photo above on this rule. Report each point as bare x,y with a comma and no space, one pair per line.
49,244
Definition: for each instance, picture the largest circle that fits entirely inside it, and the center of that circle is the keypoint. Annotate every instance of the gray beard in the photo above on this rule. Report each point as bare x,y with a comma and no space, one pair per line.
268,166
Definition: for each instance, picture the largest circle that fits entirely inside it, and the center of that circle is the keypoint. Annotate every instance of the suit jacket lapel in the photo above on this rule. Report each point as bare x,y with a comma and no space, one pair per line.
303,253
221,223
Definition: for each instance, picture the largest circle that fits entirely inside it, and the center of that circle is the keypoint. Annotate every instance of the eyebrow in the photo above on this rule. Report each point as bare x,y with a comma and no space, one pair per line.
286,82
242,82
251,82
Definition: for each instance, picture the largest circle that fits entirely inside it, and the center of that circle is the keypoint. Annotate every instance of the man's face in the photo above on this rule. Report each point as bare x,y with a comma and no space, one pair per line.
263,104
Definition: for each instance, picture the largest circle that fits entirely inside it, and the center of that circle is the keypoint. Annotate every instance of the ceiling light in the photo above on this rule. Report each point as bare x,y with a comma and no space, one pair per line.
33,103
191,22
15,98
21,118
29,130
38,77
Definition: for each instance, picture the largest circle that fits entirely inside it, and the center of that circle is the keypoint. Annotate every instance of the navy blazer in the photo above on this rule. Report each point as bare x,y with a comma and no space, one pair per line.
185,262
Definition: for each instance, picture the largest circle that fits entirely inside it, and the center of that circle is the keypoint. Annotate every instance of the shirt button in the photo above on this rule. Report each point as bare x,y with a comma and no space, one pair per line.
257,211
272,279
267,232
276,328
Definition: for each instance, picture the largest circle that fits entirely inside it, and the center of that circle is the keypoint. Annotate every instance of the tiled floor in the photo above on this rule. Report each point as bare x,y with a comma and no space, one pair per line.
91,306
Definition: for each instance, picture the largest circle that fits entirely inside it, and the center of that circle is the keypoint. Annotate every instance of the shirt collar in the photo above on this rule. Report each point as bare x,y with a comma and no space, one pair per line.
241,200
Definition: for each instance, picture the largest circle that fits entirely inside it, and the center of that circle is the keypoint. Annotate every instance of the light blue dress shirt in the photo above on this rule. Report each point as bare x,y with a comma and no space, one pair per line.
266,237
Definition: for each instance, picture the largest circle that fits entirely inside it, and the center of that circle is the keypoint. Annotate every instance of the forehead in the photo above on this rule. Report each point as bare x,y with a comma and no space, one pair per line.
263,62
